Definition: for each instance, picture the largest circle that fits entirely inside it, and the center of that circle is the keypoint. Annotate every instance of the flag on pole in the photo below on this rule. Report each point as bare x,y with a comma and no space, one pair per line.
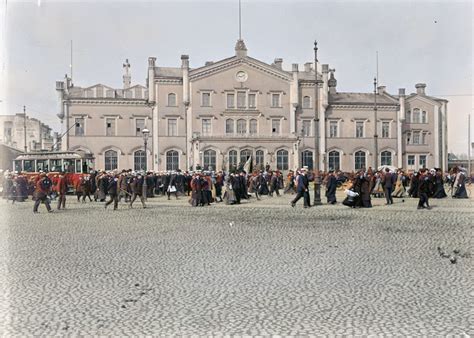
248,165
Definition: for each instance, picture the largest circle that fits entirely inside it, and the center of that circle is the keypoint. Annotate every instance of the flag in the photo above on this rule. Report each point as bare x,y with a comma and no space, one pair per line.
248,165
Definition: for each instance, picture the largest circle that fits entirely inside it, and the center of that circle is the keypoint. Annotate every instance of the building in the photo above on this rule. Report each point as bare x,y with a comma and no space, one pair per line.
218,115
12,133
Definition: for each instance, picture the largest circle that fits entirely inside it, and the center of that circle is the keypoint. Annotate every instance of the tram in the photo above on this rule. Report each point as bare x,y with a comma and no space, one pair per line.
55,161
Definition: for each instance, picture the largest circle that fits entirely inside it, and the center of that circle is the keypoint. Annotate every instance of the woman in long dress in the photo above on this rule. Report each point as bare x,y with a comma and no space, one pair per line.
229,195
399,188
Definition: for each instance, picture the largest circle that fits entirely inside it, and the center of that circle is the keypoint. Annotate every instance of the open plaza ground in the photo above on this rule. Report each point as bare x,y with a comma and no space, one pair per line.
259,268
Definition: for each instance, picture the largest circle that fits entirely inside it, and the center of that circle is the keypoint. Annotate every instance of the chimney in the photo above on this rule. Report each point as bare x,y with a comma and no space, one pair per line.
401,101
381,89
208,63
151,79
127,77
308,66
185,68
184,61
420,88
278,63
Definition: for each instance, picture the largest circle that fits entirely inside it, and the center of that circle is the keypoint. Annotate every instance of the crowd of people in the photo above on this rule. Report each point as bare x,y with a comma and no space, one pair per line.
202,188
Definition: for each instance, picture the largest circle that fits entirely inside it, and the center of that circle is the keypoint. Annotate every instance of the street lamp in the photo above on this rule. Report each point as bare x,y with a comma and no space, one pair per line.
317,181
145,133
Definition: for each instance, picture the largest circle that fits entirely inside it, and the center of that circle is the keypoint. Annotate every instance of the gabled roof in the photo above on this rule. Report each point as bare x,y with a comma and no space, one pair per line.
431,99
168,72
136,86
99,85
360,98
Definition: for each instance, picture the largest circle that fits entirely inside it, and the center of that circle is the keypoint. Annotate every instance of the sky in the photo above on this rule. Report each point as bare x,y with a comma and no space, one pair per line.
417,41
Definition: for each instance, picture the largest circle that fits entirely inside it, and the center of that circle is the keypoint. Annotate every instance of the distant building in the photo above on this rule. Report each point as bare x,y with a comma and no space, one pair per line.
12,133
218,115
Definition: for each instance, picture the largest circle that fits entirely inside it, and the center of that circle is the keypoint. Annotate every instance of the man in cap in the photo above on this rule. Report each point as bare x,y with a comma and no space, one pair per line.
302,189
42,191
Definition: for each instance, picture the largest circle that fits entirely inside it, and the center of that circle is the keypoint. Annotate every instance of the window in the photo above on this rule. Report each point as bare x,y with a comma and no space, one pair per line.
416,115
110,127
252,100
245,155
359,129
172,127
306,128
241,96
206,126
253,126
408,117
206,100
306,102
359,160
209,160
230,101
138,93
276,100
89,93
241,126
423,161
172,99
276,127
415,137
172,160
307,159
232,159
79,126
333,129
424,117
139,126
139,160
386,158
282,160
411,159
99,91
110,93
409,138
423,138
110,157
259,157
229,126
385,129
334,160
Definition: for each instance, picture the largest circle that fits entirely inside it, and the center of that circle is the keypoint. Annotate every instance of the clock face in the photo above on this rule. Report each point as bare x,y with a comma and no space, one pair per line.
241,76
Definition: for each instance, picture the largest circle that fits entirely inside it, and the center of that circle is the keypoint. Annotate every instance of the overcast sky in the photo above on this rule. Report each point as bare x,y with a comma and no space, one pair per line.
417,41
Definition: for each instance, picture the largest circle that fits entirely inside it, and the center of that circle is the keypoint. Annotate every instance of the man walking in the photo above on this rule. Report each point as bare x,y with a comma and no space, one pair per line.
388,183
62,190
137,190
42,190
331,187
424,188
112,189
302,189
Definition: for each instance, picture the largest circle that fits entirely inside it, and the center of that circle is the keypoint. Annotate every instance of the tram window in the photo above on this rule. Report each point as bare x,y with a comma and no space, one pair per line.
69,166
55,165
42,165
28,166
18,166
78,166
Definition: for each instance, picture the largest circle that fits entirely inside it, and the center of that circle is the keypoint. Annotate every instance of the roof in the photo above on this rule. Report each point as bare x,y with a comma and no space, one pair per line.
360,98
175,72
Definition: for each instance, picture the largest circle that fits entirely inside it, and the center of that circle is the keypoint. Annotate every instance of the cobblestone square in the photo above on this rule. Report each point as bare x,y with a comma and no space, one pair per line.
260,268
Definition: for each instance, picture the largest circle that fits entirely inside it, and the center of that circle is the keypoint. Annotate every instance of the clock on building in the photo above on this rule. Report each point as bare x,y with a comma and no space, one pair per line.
241,76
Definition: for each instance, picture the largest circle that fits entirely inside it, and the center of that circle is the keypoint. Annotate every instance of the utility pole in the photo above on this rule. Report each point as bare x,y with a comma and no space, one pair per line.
376,141
469,146
24,128
317,179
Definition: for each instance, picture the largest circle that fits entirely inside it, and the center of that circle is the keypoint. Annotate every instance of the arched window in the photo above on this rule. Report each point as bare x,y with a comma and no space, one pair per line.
334,160
359,160
416,116
306,102
172,99
282,159
241,126
172,160
408,116
386,158
209,160
307,159
244,155
259,157
424,118
139,160
253,126
229,126
232,159
111,160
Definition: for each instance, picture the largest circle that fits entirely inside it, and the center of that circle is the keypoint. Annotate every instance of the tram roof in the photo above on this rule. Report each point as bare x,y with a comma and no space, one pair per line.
53,155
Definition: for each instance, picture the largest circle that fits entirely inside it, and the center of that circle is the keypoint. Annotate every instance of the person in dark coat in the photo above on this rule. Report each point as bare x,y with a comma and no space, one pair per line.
219,183
302,189
439,191
331,187
112,190
136,185
62,190
363,188
42,191
388,182
196,186
424,188
413,192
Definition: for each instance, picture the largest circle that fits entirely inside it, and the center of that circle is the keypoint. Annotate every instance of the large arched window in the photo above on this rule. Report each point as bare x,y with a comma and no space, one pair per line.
386,158
139,160
307,159
241,126
172,99
259,157
209,160
306,102
244,155
111,160
253,126
229,126
359,160
282,159
334,160
232,159
172,160
416,116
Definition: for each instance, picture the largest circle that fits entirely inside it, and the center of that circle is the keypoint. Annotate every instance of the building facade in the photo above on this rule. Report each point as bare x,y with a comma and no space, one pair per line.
218,115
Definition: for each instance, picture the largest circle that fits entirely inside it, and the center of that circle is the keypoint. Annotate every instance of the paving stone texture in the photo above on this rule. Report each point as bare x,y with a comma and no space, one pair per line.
258,269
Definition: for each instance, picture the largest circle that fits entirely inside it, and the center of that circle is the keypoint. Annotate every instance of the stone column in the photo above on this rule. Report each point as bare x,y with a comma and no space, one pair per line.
400,121
294,99
437,137
155,130
151,79
444,137
187,109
